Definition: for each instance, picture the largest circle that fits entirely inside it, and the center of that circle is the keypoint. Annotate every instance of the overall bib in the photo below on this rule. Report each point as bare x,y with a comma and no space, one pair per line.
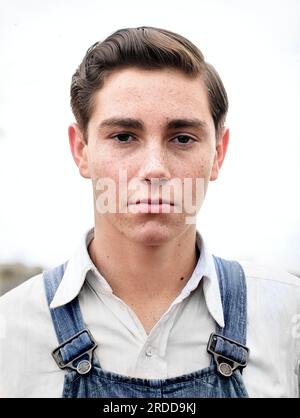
84,377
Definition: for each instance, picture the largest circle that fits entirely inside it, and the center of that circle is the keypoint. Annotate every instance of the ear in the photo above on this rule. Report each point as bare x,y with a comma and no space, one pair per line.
220,153
78,147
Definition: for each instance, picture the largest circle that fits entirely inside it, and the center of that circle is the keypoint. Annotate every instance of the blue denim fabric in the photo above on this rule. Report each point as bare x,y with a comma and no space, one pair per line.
205,383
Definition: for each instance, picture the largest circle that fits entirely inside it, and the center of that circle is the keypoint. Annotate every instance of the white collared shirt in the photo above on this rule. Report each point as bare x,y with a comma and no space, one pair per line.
176,344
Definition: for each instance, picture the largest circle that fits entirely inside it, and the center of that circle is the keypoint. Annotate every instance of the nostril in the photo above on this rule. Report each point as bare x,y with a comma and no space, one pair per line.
156,180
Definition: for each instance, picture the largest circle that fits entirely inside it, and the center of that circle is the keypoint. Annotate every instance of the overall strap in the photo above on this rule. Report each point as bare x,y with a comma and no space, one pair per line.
233,291
76,344
228,344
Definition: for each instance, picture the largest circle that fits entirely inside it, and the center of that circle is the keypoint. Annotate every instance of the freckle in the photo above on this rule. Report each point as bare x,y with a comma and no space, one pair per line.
181,278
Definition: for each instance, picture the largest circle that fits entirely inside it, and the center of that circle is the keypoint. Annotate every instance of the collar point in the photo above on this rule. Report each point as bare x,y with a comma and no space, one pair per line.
55,304
221,323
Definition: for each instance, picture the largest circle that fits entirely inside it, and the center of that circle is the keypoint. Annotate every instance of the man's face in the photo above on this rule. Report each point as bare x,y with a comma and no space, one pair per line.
149,124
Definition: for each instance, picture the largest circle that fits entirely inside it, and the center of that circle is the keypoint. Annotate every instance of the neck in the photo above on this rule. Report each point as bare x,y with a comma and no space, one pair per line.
134,270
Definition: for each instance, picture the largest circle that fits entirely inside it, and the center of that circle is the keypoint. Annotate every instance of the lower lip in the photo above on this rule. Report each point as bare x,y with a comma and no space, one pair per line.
151,208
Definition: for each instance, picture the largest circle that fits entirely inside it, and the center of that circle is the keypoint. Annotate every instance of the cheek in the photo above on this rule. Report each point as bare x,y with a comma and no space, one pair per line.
113,173
200,167
101,164
199,171
107,163
101,169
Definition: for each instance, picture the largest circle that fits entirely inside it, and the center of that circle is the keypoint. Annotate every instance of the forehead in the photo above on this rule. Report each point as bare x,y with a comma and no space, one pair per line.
159,94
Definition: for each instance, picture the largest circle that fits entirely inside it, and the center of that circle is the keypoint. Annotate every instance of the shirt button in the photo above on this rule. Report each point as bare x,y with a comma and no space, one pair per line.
149,351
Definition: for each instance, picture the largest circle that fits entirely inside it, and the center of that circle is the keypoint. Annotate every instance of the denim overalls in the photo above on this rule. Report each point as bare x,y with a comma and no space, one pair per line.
85,378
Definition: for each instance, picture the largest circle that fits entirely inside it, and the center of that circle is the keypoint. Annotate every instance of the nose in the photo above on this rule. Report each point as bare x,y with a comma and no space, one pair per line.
154,164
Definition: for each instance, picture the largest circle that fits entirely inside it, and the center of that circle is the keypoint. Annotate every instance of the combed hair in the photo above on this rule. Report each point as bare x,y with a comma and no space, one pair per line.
146,48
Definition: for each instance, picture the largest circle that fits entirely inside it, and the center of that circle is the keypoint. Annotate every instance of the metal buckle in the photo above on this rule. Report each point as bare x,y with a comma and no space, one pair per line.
84,366
226,366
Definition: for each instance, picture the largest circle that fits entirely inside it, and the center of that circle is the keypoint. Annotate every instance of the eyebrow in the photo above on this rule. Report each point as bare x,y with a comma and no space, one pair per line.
139,124
187,123
122,122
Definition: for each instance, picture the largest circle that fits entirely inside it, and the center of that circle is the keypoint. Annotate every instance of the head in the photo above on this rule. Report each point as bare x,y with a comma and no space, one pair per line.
146,102
147,48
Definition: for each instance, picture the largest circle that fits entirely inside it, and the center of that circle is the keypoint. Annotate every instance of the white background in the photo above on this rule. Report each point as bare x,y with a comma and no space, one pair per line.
251,212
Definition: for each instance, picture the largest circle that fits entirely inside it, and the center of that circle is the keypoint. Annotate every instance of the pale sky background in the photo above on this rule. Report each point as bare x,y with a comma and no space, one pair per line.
252,211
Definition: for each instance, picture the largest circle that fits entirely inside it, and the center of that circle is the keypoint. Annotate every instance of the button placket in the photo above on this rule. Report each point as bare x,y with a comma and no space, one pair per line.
149,351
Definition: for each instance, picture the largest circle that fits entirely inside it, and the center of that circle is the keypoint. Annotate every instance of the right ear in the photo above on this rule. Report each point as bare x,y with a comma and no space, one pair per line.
79,150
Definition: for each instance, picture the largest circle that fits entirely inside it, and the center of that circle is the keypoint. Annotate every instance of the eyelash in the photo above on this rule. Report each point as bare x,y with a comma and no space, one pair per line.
178,136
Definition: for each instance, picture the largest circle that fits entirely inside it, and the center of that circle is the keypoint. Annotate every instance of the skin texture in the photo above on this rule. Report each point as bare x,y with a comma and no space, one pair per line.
135,252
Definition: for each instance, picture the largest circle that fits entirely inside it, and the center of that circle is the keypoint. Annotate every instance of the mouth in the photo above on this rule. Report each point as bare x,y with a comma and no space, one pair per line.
153,202
151,206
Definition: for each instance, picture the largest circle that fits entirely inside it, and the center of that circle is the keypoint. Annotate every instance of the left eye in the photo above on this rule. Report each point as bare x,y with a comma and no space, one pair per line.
183,139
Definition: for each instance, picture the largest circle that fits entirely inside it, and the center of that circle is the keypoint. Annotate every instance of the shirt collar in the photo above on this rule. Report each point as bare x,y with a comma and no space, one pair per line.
211,288
75,274
80,264
205,270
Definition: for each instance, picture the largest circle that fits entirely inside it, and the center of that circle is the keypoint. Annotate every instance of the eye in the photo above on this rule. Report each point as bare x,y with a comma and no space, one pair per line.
123,138
183,140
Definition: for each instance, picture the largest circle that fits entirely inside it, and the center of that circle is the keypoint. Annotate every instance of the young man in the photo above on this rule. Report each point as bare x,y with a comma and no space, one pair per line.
143,309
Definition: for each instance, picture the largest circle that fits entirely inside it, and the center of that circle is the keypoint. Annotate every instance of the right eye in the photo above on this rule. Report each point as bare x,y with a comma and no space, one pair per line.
123,138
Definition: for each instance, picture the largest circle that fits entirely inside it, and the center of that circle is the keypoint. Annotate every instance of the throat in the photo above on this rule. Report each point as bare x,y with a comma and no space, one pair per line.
148,282
149,312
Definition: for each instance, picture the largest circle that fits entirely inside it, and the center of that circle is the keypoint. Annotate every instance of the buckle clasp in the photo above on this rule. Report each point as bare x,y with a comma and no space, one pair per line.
83,366
226,366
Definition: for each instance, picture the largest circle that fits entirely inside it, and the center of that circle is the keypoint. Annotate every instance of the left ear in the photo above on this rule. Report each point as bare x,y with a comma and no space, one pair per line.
221,148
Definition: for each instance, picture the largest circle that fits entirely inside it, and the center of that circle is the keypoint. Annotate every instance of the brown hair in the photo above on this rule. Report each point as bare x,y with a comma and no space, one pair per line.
147,48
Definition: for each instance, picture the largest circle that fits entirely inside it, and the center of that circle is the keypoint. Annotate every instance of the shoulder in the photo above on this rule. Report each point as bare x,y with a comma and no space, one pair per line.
268,275
273,285
25,292
27,338
25,302
273,295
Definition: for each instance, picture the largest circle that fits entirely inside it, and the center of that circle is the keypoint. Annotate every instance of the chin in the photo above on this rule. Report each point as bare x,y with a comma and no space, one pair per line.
152,239
153,233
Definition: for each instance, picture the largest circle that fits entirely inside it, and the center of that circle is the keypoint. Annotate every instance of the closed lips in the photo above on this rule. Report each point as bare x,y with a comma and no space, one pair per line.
152,202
